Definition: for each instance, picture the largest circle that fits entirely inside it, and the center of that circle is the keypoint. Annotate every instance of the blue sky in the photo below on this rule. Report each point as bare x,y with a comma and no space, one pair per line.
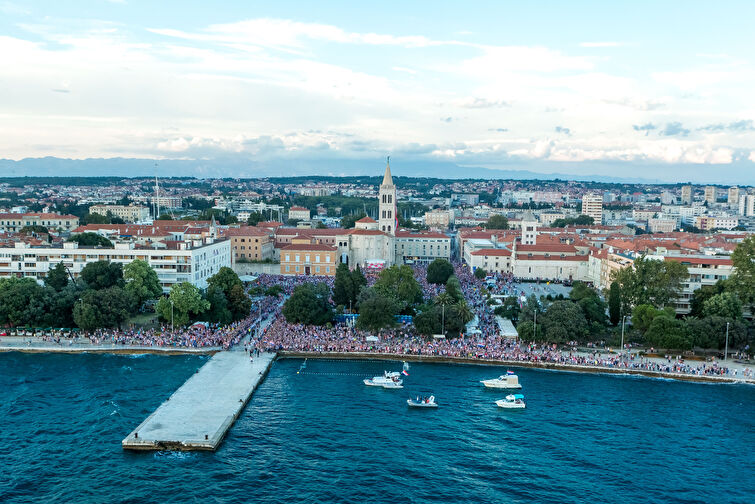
639,85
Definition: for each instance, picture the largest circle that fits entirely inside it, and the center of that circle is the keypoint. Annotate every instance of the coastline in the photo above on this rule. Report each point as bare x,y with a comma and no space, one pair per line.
114,349
283,354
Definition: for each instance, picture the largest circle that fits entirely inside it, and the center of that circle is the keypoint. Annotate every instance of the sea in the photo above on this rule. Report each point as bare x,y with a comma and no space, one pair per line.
314,433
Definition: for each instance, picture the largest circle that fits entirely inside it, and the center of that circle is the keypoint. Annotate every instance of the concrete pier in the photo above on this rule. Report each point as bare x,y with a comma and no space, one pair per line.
198,415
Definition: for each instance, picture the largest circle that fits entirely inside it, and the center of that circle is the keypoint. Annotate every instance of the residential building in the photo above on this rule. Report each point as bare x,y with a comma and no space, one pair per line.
250,243
308,259
421,246
166,202
746,205
686,195
192,261
129,213
661,225
439,219
710,194
592,206
733,199
14,222
709,222
703,270
469,199
299,213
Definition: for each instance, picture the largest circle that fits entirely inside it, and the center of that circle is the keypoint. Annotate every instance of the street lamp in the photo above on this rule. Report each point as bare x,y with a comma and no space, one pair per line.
622,332
534,329
171,315
726,348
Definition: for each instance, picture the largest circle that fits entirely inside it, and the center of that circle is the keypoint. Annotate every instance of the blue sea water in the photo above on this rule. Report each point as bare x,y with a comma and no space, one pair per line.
322,436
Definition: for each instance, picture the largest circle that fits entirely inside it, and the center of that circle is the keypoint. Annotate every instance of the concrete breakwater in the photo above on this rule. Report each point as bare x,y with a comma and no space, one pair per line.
198,415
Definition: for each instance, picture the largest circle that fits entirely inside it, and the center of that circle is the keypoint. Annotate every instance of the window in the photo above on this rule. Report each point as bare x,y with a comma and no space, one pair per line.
297,269
317,269
288,257
317,260
327,269
306,258
288,268
390,197
297,260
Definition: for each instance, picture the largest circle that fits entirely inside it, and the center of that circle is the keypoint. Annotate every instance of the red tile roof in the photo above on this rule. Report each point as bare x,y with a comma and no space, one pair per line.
492,252
309,246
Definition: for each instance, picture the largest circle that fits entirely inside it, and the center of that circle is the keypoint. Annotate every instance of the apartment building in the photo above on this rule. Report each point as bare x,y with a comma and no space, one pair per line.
686,195
250,243
299,213
129,213
733,196
421,246
703,270
439,219
592,206
710,194
186,261
14,222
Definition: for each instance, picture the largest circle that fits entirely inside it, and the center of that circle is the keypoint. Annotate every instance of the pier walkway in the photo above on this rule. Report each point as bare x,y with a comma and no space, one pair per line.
198,415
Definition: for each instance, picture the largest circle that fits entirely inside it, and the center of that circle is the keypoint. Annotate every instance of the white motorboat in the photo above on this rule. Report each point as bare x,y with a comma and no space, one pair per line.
388,380
513,401
422,402
507,381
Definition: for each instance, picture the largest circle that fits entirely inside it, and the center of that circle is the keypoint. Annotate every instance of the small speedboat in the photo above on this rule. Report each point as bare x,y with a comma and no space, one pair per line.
507,381
513,401
422,402
388,380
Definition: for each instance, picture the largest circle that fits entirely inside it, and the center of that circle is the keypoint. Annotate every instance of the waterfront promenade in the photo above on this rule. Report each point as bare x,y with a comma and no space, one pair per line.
198,415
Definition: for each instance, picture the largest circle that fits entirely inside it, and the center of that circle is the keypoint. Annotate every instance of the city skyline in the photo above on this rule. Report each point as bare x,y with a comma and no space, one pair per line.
570,90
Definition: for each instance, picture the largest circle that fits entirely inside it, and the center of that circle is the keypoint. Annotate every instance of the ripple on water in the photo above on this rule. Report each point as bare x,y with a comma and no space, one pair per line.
327,438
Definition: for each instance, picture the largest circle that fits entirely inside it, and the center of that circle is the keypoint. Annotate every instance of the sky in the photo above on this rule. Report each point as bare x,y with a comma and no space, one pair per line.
660,90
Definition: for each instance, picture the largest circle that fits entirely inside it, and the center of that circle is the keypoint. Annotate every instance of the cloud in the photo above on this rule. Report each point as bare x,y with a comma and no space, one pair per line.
498,130
674,129
481,103
61,90
446,119
742,125
565,131
600,44
645,127
642,105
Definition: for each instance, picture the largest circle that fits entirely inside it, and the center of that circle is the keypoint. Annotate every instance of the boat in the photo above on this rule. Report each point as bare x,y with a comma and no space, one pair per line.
507,381
513,401
388,380
423,402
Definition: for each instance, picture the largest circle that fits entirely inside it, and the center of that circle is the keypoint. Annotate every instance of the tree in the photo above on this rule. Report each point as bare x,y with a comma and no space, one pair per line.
704,293
255,218
669,333
497,222
102,275
461,314
710,332
225,278
34,228
309,305
343,286
398,282
187,301
444,299
510,309
439,271
480,273
428,320
614,303
564,321
90,239
376,309
743,278
91,218
650,281
526,331
18,299
359,281
141,281
108,307
348,221
453,288
726,305
57,277
218,311
238,302
643,315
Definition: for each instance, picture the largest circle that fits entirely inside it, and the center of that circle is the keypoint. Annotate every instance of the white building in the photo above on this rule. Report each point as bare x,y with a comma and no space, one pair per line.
592,206
747,205
421,246
387,209
129,213
190,261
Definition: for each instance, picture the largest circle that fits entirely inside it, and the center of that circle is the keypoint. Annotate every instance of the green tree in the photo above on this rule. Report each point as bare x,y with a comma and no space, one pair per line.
439,271
510,309
614,303
428,320
669,333
94,219
743,279
343,286
704,293
497,222
239,302
643,315
444,300
564,321
57,277
398,283
348,221
726,305
34,228
480,273
141,281
650,281
309,304
710,332
107,307
255,218
359,281
225,278
218,311
90,239
102,275
526,331
461,314
186,300
453,288
18,299
376,309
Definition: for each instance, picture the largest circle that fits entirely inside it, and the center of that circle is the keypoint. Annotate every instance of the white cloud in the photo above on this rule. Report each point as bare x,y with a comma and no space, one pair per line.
600,44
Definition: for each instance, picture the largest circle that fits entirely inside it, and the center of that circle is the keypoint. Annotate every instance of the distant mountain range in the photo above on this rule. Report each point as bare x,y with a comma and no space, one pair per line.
742,173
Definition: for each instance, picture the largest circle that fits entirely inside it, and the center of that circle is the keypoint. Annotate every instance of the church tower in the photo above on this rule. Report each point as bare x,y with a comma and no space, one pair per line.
529,229
387,213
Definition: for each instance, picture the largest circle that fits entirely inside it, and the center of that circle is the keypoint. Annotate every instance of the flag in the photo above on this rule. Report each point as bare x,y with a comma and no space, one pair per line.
509,372
404,372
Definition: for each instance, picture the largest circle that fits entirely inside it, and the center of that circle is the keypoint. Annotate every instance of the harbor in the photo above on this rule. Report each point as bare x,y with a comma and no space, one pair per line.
198,415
